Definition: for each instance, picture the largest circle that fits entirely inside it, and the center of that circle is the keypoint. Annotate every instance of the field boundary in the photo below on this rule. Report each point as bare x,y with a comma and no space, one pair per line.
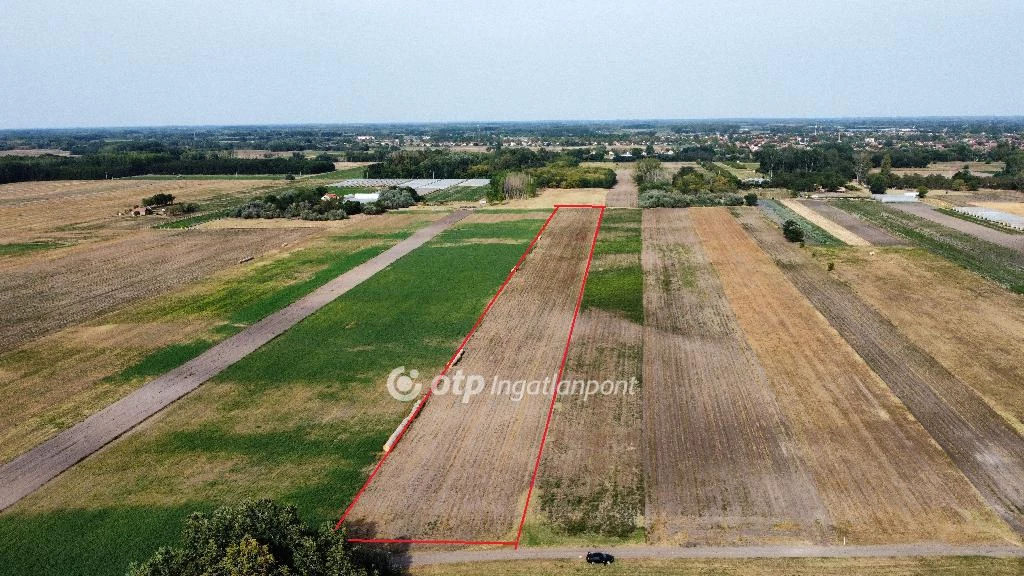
448,365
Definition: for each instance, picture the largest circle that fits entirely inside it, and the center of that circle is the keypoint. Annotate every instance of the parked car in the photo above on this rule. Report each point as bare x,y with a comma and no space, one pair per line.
600,558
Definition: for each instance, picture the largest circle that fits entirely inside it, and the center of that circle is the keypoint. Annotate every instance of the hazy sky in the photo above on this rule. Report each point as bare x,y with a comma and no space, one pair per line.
117,63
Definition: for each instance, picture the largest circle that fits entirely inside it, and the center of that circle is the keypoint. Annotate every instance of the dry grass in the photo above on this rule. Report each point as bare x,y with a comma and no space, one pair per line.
548,197
948,169
624,193
717,447
1009,207
467,466
880,474
971,326
81,210
833,228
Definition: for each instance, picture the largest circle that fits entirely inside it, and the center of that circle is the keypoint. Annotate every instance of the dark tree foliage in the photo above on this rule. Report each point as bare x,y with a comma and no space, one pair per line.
792,231
257,538
827,165
135,163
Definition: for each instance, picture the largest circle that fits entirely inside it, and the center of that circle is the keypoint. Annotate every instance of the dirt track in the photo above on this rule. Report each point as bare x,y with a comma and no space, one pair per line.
624,193
981,443
426,558
462,470
31,470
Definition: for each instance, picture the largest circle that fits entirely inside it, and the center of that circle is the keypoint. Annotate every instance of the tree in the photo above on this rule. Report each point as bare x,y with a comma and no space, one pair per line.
160,199
395,198
877,183
750,199
863,166
261,538
647,172
792,231
922,191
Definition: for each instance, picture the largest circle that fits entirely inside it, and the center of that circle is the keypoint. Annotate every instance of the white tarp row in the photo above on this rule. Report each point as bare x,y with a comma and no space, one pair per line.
908,197
371,182
1011,220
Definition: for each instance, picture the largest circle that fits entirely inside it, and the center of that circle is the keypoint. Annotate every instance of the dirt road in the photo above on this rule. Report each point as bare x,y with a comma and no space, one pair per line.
626,552
38,466
624,193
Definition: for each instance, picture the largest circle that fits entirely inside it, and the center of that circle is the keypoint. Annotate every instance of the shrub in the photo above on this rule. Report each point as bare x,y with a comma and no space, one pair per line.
373,208
395,198
261,537
351,207
186,208
160,199
922,191
877,184
662,199
792,231
750,199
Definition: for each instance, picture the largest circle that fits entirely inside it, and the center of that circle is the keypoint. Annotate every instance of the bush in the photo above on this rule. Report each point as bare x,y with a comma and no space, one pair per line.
186,208
662,199
750,199
877,184
373,208
395,198
792,231
922,191
351,207
158,200
261,537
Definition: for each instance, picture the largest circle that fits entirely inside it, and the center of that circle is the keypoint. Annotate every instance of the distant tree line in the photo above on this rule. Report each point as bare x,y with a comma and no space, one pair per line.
135,163
803,169
314,204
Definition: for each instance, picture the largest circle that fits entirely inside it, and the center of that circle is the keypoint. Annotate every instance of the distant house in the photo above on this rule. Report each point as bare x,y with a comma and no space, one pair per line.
140,211
329,196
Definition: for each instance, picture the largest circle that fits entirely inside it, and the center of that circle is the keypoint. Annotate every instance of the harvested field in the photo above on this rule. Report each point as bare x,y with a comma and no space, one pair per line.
981,443
582,493
1012,241
361,222
85,209
548,197
949,169
624,193
718,452
826,224
863,229
468,465
971,326
881,476
62,288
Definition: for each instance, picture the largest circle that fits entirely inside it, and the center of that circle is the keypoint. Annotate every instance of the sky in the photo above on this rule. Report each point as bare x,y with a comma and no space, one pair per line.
150,63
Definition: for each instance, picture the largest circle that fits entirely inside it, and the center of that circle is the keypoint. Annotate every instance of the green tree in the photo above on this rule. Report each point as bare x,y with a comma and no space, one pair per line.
261,538
647,172
877,184
862,167
922,191
792,231
750,199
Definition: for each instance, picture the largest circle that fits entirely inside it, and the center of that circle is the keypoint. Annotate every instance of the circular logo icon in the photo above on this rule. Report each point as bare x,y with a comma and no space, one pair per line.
402,387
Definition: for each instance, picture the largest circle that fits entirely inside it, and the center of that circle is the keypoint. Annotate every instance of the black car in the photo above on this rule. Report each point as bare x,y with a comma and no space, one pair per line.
600,558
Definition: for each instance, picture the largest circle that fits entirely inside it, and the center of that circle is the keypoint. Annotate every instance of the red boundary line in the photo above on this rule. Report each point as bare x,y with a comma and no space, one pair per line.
551,407
447,366
561,369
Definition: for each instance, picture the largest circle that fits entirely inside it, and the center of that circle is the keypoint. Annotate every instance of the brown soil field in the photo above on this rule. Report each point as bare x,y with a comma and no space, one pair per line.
834,228
56,290
462,469
863,229
973,327
624,193
718,452
80,210
973,436
881,476
1013,241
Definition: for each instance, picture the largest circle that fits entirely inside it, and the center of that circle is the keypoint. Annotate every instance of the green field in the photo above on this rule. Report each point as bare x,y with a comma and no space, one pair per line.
299,420
813,234
617,288
458,194
21,248
997,263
